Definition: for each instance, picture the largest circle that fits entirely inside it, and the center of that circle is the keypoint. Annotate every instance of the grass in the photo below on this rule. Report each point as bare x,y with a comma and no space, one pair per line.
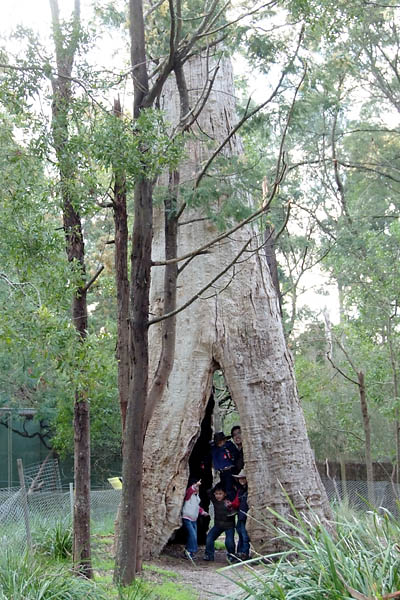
358,558
160,571
172,591
54,540
23,578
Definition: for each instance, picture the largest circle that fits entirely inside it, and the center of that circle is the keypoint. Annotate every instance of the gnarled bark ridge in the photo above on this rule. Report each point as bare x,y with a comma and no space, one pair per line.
236,326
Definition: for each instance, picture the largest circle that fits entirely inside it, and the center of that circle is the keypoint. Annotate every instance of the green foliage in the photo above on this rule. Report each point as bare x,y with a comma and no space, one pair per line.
222,195
173,591
54,541
140,148
23,578
359,553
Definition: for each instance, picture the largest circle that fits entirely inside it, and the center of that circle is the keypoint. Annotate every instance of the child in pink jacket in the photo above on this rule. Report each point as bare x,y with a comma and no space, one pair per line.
190,511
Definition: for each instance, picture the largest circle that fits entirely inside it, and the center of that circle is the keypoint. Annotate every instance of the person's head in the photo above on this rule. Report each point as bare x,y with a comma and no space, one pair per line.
237,438
219,438
219,492
241,478
235,429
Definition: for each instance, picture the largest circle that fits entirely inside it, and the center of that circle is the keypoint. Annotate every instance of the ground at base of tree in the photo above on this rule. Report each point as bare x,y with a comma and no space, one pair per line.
199,578
203,577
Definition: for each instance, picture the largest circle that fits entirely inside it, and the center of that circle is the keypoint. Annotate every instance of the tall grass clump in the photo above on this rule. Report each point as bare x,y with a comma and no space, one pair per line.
358,556
55,540
24,578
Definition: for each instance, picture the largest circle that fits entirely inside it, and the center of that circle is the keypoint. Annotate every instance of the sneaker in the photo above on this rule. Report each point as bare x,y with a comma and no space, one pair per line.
208,558
243,556
231,558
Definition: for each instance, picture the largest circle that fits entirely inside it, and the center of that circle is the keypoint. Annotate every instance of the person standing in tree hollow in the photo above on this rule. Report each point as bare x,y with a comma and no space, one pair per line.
236,449
223,522
190,512
223,462
241,504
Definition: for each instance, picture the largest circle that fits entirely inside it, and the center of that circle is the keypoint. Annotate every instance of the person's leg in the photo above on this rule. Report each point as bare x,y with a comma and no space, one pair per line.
212,535
244,540
239,529
230,541
191,529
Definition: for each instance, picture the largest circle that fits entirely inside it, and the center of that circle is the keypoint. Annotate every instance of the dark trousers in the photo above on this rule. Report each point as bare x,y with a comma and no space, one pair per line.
214,533
243,546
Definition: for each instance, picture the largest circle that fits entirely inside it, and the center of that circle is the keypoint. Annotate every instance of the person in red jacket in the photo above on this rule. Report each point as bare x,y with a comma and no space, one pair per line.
240,503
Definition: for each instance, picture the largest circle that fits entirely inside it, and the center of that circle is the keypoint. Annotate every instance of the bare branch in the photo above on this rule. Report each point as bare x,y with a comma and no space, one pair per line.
93,279
16,284
260,211
206,287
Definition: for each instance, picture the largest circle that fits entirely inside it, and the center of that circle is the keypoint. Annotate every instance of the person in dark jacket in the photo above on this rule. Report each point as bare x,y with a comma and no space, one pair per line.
224,522
240,503
235,448
223,462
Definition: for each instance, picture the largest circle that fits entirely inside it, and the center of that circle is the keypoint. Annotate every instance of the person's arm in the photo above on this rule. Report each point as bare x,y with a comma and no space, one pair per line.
189,492
235,502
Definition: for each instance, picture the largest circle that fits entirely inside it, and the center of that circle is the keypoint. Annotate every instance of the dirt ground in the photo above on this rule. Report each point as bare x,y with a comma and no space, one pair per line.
203,577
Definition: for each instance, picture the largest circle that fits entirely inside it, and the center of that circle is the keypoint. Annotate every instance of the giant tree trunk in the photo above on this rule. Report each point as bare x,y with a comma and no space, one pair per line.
237,327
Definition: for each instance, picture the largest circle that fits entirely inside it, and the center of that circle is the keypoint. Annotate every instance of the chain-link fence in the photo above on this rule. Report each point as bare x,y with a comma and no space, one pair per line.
46,509
361,496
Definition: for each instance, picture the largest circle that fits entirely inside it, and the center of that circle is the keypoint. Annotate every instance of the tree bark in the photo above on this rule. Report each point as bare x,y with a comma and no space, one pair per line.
236,326
66,46
394,366
122,283
367,434
270,253
129,553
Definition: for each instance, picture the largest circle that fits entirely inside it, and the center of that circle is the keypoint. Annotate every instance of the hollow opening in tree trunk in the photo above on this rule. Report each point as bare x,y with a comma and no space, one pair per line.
220,415
200,467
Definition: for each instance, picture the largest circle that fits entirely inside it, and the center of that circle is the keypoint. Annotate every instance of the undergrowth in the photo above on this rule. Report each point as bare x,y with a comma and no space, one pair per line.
358,557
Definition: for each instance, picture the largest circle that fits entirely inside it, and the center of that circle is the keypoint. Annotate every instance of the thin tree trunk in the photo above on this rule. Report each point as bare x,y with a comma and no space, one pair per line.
129,552
66,46
269,248
367,434
122,283
130,537
395,395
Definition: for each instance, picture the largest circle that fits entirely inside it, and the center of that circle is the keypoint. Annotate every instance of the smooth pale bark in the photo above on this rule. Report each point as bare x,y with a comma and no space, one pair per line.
236,326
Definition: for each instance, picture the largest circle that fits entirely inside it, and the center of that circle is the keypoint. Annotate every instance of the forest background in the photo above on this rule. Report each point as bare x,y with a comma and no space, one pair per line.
337,211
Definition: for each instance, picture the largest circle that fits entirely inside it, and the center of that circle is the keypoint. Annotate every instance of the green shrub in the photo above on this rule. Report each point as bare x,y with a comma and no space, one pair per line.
360,554
137,591
22,578
55,541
